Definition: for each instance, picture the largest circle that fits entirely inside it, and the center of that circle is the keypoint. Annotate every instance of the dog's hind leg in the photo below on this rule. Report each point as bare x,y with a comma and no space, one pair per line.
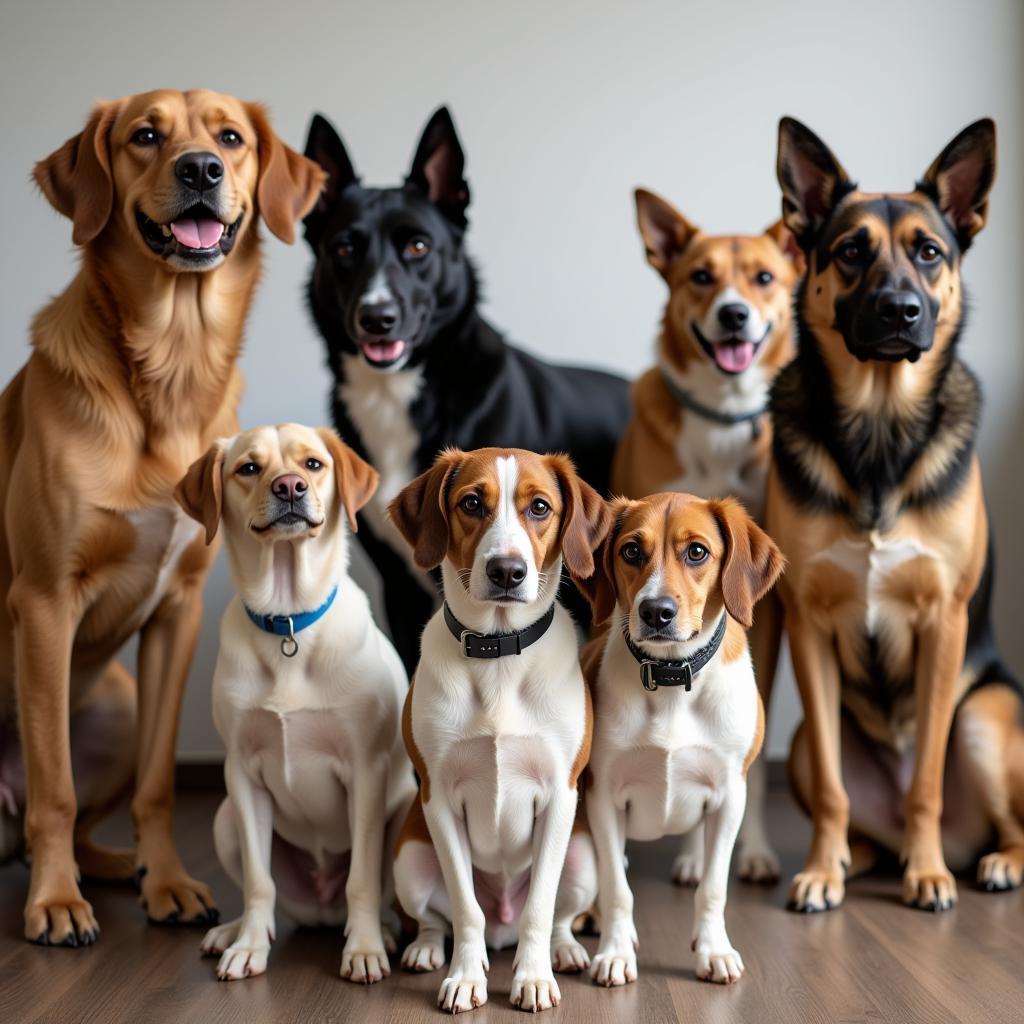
577,891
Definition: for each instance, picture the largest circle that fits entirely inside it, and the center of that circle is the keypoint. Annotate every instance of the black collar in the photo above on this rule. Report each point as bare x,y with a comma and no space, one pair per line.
655,672
497,645
726,419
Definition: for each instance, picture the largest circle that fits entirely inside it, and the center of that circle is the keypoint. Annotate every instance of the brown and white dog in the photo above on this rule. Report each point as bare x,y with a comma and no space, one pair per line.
912,740
133,374
498,722
700,422
678,719
307,696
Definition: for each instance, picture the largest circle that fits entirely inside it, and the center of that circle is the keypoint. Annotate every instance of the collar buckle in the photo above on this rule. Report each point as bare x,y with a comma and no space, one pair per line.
289,645
647,675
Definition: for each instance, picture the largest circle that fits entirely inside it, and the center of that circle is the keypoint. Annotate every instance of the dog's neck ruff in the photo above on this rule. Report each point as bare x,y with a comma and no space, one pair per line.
497,645
655,672
288,625
725,419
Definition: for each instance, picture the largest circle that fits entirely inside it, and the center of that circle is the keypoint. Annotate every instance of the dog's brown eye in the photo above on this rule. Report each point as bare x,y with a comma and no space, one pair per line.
145,137
929,252
471,505
229,137
696,553
631,552
765,277
849,252
701,276
248,469
345,250
314,464
416,248
539,509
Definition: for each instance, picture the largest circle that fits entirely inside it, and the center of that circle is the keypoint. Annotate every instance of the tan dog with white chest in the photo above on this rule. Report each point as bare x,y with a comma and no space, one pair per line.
498,722
677,716
306,695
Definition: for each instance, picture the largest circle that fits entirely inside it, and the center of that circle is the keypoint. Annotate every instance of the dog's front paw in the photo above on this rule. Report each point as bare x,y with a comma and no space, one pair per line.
688,869
1002,870
218,938
60,917
364,959
614,966
533,985
249,950
722,966
173,898
757,862
928,887
569,957
814,890
465,988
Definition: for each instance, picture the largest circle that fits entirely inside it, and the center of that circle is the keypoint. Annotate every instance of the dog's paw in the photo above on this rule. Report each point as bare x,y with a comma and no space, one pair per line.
614,966
218,938
533,985
569,957
1001,870
61,919
688,869
812,891
364,960
175,899
425,952
758,863
929,888
722,966
465,988
244,958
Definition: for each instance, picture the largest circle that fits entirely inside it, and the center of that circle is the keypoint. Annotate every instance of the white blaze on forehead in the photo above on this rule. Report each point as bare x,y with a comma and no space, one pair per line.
752,330
377,291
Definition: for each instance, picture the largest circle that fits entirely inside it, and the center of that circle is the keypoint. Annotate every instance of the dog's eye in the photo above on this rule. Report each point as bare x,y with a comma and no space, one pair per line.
248,469
229,137
471,505
929,253
765,277
345,249
696,553
701,276
850,252
314,464
539,509
145,137
416,248
631,552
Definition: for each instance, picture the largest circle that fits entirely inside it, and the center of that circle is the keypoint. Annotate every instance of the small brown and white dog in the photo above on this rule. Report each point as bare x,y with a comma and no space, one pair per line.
307,696
700,423
498,722
677,715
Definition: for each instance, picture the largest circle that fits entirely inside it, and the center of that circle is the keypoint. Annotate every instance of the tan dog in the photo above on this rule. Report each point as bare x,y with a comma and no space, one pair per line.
132,376
677,716
700,422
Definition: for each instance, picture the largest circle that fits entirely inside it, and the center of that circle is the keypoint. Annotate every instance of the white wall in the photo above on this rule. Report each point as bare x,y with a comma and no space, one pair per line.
562,109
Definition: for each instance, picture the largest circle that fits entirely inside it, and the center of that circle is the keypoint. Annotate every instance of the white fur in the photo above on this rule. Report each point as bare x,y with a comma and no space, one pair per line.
378,291
161,535
755,328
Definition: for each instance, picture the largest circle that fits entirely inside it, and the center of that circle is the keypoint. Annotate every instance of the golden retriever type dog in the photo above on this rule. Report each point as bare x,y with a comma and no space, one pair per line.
132,375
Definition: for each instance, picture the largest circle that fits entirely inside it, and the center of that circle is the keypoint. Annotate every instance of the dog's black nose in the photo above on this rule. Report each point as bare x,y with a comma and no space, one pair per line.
199,171
899,309
658,612
506,572
290,487
733,315
378,318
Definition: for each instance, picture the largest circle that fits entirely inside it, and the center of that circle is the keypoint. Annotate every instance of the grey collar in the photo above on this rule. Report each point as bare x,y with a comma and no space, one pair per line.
725,419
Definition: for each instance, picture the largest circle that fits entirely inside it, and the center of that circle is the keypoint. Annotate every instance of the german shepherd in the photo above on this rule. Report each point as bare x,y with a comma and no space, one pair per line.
875,498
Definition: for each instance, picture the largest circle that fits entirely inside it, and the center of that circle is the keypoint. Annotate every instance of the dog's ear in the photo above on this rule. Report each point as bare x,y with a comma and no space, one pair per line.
585,518
77,178
786,241
961,177
200,490
438,167
664,230
811,178
289,183
354,477
752,562
324,146
420,510
599,589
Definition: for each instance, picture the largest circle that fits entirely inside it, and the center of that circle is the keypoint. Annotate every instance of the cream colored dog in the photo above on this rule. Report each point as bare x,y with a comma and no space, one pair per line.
306,695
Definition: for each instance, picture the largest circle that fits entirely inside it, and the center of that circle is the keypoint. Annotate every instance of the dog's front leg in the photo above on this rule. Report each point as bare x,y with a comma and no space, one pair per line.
466,984
716,959
615,962
927,883
166,646
364,958
821,885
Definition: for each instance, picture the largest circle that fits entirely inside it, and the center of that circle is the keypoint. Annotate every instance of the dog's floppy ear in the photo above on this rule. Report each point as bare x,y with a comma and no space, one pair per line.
354,477
786,241
289,183
585,518
438,167
961,177
599,589
811,178
77,179
665,231
324,146
420,510
752,561
200,491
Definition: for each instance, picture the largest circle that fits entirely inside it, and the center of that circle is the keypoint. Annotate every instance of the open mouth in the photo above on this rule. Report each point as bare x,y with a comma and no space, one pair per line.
731,355
384,352
289,519
196,234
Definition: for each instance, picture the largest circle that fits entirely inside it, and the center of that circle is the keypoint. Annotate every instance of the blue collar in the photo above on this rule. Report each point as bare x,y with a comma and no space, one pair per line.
288,625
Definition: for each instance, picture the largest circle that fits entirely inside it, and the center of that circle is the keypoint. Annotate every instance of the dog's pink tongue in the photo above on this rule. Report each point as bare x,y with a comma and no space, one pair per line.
197,234
383,351
734,356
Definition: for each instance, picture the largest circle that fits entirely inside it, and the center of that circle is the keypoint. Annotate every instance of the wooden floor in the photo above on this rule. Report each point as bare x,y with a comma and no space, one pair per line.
872,960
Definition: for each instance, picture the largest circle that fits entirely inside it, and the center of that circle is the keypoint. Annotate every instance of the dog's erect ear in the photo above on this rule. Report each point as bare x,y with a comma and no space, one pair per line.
420,510
665,231
812,180
585,518
324,146
599,589
786,241
961,177
289,183
354,477
752,561
438,167
200,490
77,178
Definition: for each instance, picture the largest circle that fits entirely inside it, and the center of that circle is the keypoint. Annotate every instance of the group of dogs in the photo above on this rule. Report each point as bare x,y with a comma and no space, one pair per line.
810,372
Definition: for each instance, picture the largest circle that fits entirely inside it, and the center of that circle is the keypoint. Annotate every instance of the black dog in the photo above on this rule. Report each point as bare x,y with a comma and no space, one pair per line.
417,368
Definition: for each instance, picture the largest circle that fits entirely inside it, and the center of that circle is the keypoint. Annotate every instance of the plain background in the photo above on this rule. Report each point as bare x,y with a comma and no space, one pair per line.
562,109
